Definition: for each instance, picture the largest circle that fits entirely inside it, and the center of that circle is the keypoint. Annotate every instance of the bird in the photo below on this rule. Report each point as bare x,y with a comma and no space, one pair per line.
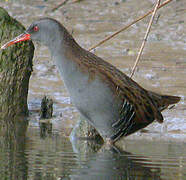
107,98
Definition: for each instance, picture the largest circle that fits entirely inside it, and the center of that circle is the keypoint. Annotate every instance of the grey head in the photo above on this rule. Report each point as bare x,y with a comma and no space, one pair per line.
47,31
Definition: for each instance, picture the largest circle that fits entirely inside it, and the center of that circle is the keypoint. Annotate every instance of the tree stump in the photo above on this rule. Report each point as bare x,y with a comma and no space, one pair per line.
15,68
46,110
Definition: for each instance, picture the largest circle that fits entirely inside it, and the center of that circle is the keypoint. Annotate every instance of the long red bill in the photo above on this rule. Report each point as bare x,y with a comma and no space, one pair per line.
21,37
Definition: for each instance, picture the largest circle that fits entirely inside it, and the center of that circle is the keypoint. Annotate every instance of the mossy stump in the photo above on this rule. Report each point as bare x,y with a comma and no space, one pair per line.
85,130
15,68
46,110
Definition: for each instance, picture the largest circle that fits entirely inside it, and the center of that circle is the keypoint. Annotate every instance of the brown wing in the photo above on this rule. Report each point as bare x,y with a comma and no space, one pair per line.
129,90
136,112
125,88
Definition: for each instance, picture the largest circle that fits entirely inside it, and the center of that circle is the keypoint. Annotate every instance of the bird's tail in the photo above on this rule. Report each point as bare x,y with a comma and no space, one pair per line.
163,101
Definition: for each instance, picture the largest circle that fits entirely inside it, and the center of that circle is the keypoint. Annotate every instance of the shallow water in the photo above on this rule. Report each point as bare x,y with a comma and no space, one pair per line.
45,151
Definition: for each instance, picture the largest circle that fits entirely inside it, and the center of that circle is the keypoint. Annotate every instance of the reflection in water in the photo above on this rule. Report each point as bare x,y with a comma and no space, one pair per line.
14,165
44,154
113,164
45,128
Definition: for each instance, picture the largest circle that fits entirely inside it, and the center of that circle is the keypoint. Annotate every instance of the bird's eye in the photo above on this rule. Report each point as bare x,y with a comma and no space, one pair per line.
36,28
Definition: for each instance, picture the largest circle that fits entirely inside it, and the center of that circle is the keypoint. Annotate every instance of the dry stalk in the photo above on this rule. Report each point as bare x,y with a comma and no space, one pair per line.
145,37
75,1
126,27
63,3
59,5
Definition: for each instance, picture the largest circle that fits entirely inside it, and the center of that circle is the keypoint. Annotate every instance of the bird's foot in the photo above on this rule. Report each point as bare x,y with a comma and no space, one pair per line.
109,142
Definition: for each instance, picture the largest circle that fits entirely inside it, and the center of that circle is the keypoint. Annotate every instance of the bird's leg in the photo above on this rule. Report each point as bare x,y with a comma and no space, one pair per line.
109,142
